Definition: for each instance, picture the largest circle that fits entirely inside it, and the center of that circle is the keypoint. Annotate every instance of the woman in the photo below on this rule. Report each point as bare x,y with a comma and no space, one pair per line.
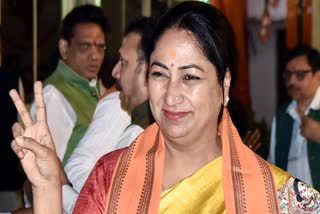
192,159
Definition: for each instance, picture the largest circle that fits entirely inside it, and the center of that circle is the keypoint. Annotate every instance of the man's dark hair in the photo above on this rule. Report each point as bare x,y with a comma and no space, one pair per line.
313,56
83,14
143,26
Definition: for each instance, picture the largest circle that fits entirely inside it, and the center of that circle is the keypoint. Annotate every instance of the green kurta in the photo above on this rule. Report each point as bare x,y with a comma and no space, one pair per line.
284,125
81,96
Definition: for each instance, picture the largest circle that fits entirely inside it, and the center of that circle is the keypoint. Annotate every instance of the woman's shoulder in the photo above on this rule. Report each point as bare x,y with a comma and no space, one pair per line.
103,170
297,197
110,160
93,194
294,195
280,176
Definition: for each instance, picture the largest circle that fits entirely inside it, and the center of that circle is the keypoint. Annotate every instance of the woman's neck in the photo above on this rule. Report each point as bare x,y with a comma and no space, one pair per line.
183,160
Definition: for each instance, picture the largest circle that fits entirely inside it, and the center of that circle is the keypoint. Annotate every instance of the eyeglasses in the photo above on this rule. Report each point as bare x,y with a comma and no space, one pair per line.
85,46
300,74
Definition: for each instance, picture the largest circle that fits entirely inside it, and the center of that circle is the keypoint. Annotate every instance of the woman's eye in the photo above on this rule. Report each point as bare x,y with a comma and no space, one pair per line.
157,74
191,77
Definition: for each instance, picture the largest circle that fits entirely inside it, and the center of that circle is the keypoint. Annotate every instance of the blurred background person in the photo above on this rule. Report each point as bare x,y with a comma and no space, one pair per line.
290,149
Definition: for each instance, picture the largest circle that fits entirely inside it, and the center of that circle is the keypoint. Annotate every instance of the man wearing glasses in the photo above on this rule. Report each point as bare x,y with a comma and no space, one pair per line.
71,92
295,135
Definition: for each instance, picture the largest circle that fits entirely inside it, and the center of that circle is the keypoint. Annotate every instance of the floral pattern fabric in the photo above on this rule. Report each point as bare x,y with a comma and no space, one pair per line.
297,197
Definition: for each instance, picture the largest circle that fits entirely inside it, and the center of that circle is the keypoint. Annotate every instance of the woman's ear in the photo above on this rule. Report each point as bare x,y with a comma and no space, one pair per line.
226,87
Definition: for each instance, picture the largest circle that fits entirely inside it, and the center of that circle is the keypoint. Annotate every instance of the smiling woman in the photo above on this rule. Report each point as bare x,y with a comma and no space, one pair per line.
192,160
185,96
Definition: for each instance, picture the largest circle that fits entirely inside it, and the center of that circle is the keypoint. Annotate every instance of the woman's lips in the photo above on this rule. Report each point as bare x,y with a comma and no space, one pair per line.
174,115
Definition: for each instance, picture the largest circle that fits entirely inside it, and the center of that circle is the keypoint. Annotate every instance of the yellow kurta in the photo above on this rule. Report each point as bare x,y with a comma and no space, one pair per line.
203,191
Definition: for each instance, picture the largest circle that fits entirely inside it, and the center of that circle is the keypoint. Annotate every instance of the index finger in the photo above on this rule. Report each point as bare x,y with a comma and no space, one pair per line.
39,102
21,108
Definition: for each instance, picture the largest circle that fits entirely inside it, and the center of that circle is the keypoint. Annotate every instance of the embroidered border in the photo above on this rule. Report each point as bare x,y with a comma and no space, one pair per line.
145,197
237,178
119,179
268,185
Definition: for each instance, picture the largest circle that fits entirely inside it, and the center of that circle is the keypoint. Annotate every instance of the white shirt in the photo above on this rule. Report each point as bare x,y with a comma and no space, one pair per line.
107,131
298,161
61,117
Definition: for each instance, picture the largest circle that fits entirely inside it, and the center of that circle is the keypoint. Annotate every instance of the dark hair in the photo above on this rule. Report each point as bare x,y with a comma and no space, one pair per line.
143,26
210,28
313,56
83,14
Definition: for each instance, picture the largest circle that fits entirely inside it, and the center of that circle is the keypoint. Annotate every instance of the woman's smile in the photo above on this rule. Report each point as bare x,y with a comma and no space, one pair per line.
175,115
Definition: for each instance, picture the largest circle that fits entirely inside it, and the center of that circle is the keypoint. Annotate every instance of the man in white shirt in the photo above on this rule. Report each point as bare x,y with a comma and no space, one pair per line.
71,92
294,146
105,133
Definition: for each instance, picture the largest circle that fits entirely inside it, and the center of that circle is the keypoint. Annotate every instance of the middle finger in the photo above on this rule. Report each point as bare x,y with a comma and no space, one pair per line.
21,108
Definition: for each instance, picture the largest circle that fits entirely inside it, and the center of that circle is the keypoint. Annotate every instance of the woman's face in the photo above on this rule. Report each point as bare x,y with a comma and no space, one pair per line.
185,96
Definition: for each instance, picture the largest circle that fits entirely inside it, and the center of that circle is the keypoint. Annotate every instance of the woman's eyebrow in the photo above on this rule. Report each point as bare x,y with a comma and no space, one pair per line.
159,64
185,67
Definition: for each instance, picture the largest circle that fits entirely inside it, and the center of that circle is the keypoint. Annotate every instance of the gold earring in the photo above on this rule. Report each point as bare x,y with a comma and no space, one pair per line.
226,100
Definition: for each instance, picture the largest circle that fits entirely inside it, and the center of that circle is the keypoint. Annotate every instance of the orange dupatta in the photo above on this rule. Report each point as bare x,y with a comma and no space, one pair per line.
248,182
137,179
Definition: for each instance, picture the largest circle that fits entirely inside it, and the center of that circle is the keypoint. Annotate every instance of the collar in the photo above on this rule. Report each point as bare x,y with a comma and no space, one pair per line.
142,115
314,105
70,75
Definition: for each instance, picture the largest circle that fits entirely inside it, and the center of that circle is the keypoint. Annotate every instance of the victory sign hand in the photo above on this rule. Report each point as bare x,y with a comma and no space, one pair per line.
33,144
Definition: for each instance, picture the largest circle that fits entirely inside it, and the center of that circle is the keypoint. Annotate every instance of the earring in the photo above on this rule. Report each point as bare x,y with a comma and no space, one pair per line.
226,100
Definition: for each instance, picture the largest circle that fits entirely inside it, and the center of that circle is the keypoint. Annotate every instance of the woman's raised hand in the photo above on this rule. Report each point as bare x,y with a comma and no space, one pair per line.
33,143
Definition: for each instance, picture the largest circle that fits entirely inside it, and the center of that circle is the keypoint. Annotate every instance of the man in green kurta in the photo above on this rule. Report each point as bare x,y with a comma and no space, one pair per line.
292,146
71,92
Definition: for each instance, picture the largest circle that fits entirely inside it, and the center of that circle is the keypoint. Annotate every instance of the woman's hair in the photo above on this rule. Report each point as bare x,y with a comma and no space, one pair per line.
210,28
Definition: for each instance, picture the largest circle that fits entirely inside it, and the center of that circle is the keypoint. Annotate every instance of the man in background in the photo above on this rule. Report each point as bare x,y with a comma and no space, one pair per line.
294,147
103,135
71,92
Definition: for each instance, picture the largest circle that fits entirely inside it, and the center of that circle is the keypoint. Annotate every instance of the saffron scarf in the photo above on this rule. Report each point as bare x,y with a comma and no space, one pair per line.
136,184
248,181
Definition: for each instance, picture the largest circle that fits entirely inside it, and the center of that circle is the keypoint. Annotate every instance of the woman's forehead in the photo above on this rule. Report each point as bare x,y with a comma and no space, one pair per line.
176,43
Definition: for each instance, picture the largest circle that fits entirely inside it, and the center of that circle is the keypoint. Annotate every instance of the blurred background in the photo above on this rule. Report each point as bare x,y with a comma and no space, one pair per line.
264,30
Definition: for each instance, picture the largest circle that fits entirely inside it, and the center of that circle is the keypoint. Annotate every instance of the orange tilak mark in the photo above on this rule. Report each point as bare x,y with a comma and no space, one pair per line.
172,54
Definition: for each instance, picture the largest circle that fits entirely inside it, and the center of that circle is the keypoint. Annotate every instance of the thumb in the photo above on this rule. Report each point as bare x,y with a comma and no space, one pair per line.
30,144
17,130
